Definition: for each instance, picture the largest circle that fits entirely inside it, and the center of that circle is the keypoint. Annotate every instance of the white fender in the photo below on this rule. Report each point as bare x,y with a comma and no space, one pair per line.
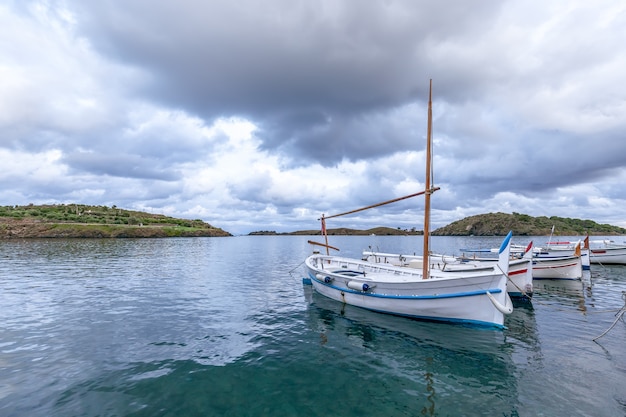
324,278
359,286
501,308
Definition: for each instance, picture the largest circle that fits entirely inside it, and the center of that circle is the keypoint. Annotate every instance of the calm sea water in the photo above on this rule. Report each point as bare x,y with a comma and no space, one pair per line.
224,327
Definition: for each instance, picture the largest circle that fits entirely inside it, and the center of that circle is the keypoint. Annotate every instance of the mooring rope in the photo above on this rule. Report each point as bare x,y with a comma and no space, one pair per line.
619,315
299,265
514,284
291,272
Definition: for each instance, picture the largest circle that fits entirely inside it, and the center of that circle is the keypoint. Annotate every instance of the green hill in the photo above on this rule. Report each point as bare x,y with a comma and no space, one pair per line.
77,220
499,224
490,224
378,231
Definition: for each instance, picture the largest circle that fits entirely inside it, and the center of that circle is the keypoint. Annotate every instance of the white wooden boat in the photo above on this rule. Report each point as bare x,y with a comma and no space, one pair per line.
558,249
546,266
594,252
585,260
564,267
477,297
520,276
607,252
470,297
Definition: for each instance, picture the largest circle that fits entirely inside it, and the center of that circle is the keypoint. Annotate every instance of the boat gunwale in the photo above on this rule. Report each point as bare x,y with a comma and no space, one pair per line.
390,273
408,296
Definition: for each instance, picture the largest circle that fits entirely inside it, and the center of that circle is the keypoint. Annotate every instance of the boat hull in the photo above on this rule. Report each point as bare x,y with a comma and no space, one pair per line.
566,267
446,297
559,253
606,256
520,282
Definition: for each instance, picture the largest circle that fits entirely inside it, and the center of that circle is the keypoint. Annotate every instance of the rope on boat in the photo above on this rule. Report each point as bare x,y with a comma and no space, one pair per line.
383,203
619,315
513,283
291,272
597,263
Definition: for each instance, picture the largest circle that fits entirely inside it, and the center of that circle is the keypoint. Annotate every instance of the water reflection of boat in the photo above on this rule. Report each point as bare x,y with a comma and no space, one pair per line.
430,361
522,328
562,291
562,286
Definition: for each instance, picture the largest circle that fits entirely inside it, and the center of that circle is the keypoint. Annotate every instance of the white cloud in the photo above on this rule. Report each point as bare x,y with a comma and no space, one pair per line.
264,117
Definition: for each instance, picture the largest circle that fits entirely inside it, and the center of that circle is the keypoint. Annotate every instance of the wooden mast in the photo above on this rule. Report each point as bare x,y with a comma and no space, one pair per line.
325,233
425,258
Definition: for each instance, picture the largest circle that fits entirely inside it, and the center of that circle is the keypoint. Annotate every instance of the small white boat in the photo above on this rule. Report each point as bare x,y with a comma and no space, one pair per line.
476,297
594,252
559,249
564,267
585,261
607,252
544,266
520,276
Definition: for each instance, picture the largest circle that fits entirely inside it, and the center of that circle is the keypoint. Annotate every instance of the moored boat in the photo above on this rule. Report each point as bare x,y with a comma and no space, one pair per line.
607,252
558,249
544,266
520,275
476,297
592,252
564,267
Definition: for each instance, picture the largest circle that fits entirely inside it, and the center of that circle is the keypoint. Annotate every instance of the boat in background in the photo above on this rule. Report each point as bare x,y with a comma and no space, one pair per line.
477,298
563,267
520,276
603,251
607,252
557,249
544,267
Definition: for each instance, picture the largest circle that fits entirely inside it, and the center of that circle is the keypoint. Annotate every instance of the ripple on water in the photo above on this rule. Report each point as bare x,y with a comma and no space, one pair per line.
220,327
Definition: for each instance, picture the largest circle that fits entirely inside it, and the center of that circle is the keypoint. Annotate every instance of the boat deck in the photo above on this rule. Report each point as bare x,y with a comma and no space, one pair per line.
366,271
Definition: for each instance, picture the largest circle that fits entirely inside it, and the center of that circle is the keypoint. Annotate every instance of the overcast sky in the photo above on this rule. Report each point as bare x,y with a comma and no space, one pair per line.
257,115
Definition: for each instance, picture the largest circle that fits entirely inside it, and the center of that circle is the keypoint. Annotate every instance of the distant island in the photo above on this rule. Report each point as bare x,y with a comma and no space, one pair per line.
499,224
84,221
379,231
490,224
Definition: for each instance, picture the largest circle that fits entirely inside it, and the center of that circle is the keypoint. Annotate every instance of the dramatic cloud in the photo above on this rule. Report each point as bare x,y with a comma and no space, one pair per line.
264,115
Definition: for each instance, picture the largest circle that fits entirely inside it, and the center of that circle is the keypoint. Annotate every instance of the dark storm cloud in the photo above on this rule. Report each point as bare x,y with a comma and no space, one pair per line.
308,73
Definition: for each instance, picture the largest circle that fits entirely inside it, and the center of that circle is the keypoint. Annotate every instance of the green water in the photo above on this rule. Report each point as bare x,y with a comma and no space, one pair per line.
225,327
